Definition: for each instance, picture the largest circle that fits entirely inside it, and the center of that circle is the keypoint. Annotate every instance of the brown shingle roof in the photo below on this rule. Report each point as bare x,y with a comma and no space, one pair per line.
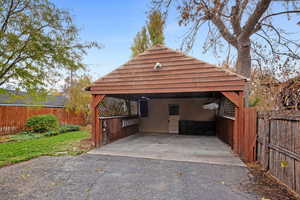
179,73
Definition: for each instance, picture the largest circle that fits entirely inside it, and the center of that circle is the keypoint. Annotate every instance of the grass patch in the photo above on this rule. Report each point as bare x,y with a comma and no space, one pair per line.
13,152
22,137
27,135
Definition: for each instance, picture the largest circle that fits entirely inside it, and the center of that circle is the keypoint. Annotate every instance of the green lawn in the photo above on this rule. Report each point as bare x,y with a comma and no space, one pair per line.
66,143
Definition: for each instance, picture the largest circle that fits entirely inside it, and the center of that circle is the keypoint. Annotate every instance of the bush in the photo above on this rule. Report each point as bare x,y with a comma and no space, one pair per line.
42,123
63,129
51,133
68,128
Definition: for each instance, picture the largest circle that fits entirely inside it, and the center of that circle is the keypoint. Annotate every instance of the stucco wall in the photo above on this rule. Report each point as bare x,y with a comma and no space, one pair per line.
189,109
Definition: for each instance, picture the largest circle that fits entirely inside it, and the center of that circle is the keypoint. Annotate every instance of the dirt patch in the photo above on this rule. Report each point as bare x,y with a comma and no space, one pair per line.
266,186
86,144
87,128
5,138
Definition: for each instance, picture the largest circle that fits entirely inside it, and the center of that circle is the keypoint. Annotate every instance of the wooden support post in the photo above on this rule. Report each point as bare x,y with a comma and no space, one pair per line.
237,99
236,131
96,125
242,126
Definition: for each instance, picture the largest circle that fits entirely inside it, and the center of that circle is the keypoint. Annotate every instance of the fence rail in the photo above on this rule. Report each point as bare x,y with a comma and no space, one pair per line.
13,118
278,149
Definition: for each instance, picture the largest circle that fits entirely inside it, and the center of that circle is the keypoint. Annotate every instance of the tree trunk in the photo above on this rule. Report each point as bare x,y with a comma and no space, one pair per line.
243,65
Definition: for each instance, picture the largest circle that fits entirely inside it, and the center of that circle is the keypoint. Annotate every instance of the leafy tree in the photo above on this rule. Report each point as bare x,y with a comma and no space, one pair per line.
150,35
38,41
78,99
140,43
247,26
155,27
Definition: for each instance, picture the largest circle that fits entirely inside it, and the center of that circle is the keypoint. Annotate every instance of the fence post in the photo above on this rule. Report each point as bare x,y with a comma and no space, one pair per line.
96,122
263,134
266,145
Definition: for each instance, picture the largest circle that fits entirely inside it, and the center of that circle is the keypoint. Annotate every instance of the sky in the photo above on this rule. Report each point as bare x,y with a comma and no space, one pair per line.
114,23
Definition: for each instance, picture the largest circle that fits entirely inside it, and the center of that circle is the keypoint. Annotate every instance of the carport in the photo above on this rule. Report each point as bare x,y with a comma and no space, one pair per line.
174,94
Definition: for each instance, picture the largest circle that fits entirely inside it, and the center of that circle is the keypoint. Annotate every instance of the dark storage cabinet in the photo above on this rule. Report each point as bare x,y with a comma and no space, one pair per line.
188,127
144,108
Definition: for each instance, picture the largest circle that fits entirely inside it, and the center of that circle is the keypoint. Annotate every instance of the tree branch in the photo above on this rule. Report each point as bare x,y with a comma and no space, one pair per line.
273,28
253,19
243,7
235,20
280,13
224,31
9,12
290,54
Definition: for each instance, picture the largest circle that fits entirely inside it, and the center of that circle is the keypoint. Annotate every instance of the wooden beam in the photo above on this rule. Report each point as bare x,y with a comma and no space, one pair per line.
236,99
235,145
169,90
97,100
96,125
171,84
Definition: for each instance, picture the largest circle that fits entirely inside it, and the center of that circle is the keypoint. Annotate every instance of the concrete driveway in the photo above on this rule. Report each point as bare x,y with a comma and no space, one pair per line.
100,177
200,149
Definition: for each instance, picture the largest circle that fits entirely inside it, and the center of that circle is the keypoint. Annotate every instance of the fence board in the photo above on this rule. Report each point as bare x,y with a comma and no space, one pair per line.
13,118
248,137
279,145
297,176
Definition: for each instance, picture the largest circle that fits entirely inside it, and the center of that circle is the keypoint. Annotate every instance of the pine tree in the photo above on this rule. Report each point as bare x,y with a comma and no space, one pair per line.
140,43
155,27
150,35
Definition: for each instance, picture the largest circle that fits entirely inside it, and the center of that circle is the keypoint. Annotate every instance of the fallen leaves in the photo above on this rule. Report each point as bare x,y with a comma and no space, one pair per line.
24,176
99,170
283,164
179,173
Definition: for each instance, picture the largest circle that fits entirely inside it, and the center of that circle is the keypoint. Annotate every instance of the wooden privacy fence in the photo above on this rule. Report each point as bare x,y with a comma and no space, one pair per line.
247,137
279,147
13,118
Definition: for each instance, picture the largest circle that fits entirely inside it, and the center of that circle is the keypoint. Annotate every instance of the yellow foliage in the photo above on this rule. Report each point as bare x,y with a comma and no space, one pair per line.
78,99
283,164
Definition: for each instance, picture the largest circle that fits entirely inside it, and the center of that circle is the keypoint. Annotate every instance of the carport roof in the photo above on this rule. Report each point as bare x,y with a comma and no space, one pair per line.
163,70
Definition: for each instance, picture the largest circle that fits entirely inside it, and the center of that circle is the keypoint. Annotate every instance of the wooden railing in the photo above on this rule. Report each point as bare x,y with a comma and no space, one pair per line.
278,148
114,128
225,128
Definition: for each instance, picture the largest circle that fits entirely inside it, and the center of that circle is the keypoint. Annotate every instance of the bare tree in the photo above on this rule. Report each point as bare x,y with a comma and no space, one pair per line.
248,26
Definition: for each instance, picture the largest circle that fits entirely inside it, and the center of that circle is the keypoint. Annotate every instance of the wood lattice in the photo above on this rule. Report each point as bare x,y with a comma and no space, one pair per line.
113,107
227,108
